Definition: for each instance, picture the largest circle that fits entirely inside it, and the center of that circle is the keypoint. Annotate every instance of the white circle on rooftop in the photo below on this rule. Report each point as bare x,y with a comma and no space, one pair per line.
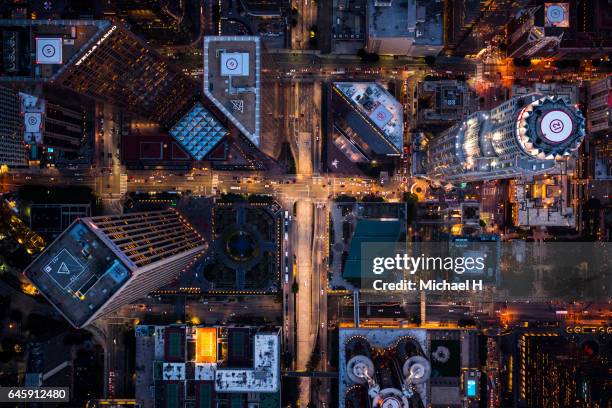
48,50
556,126
555,13
231,63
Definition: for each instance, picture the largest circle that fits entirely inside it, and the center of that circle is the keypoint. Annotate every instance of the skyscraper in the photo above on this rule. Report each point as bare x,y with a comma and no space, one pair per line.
12,148
122,69
102,263
414,28
522,136
600,105
470,25
556,370
106,62
368,121
101,60
570,29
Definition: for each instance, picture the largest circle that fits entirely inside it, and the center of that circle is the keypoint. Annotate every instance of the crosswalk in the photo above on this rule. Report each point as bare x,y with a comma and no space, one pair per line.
123,184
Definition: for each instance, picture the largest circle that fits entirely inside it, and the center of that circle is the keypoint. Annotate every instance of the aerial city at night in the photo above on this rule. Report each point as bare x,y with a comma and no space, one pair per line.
306,203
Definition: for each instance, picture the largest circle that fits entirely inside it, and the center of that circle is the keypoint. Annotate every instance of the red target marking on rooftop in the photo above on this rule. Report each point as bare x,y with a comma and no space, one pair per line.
381,116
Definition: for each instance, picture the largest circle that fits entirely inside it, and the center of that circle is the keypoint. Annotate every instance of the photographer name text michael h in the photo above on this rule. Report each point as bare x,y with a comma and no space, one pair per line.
431,285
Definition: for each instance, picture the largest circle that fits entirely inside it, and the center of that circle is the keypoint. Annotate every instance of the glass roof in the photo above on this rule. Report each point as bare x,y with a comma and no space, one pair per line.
198,131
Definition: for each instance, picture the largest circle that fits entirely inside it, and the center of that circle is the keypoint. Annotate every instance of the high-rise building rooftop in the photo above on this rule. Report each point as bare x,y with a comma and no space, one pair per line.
405,27
204,365
12,146
569,29
99,59
41,50
369,118
525,135
444,101
232,80
102,263
262,377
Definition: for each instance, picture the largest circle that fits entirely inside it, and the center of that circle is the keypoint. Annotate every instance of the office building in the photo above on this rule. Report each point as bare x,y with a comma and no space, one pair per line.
409,27
12,146
444,102
572,29
408,368
122,69
64,131
232,81
600,105
207,366
471,25
106,62
368,121
33,111
102,263
570,93
602,160
376,233
39,50
348,30
523,136
461,16
527,36
556,369
372,225
54,127
99,59
600,125
543,201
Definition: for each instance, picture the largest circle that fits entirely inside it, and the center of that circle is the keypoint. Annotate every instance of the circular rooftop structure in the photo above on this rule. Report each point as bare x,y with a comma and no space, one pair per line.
391,402
417,370
549,128
441,354
359,369
390,398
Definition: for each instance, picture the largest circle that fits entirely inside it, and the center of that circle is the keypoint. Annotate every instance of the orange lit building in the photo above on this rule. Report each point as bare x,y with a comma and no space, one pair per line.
206,345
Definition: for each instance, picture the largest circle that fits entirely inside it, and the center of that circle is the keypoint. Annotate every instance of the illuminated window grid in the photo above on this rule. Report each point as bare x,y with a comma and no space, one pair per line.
150,239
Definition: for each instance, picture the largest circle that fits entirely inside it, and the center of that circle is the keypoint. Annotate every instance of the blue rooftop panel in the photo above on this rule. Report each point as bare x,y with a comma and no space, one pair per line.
198,131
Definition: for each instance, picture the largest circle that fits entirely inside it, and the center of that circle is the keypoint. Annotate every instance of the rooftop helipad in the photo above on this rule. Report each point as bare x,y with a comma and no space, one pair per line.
231,80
